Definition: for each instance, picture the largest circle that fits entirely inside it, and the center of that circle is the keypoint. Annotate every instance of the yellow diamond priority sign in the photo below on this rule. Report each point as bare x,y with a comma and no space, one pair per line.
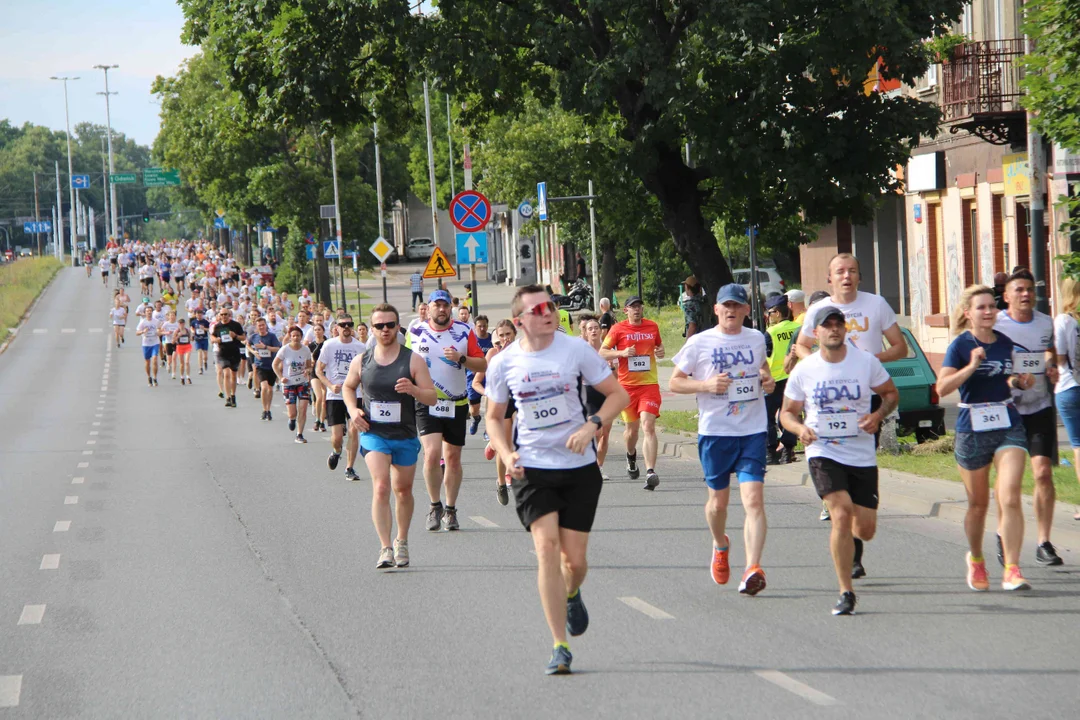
381,249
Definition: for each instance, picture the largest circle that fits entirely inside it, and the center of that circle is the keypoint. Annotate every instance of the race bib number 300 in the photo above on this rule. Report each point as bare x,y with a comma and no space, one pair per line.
540,414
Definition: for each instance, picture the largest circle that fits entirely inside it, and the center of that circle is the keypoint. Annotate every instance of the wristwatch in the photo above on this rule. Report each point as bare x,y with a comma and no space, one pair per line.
596,419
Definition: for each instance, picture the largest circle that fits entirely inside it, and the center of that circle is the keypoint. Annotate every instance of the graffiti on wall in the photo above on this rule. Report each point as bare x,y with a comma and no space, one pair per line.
986,259
954,280
920,285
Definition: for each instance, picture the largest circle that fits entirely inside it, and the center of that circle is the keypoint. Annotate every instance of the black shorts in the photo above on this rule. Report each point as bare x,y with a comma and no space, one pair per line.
336,413
861,483
573,493
227,363
1041,429
594,399
266,376
451,429
170,348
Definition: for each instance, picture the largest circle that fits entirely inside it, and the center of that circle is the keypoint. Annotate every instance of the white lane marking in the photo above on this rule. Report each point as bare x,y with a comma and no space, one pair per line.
84,465
102,396
643,607
77,480
96,424
104,387
71,499
50,562
40,331
62,526
32,614
482,521
794,686
93,330
98,415
10,689
91,442
94,432
67,331
87,452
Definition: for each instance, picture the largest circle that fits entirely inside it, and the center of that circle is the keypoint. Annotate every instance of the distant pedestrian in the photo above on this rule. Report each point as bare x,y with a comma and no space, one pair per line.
416,285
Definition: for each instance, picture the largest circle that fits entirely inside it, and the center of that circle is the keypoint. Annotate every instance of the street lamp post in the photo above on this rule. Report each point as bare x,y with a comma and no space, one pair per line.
71,190
108,120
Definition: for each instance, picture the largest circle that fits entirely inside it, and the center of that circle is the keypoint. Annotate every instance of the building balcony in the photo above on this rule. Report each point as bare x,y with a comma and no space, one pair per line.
981,91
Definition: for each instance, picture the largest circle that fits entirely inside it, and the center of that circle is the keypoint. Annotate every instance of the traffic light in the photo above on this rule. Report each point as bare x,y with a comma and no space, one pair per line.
146,216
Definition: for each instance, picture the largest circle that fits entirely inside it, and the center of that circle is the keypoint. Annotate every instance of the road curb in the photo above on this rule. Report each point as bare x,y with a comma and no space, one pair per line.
26,315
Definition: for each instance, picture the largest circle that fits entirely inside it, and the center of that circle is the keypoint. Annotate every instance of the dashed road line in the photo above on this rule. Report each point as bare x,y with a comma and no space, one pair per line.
482,521
71,499
83,465
94,432
643,607
91,442
50,562
96,424
32,614
77,480
40,331
62,526
67,331
93,330
10,689
794,686
87,452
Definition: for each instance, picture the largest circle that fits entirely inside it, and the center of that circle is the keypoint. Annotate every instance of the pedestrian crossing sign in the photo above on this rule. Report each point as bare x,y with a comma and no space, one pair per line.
438,266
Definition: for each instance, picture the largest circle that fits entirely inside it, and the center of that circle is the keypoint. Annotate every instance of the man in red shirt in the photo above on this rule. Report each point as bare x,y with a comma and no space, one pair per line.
635,343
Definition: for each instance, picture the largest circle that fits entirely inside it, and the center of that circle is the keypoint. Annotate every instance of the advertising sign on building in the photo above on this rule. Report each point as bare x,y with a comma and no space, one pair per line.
1017,174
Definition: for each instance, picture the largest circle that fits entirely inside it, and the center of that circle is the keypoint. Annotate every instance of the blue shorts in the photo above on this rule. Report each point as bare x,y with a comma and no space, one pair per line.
1068,407
150,351
976,450
203,344
474,397
722,456
403,453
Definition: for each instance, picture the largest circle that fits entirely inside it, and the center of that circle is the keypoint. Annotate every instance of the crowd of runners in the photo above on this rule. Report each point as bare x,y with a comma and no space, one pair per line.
384,392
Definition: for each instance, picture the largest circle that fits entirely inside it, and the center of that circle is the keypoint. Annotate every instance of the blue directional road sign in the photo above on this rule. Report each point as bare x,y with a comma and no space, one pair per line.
331,250
472,248
219,223
37,227
80,182
541,200
525,209
310,251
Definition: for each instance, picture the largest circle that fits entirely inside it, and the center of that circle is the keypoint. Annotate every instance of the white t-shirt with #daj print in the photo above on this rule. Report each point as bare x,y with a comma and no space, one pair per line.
740,411
868,317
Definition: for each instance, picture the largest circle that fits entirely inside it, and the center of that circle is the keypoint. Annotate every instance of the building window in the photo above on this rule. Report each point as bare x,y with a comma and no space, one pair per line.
934,260
970,229
997,212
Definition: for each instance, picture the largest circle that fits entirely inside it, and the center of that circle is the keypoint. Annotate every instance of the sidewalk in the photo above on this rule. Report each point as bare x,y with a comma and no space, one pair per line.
898,492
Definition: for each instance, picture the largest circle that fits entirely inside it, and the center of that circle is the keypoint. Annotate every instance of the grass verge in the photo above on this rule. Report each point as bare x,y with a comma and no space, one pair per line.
678,421
20,282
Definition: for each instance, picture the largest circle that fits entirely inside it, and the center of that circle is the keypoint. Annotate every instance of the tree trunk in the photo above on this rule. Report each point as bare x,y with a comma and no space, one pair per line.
607,271
323,288
676,189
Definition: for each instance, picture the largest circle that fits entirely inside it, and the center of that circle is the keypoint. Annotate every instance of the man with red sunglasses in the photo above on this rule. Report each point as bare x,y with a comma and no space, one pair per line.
552,457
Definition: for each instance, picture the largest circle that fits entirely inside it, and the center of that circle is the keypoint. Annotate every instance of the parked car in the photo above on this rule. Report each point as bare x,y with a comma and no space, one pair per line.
769,280
419,248
920,412
26,252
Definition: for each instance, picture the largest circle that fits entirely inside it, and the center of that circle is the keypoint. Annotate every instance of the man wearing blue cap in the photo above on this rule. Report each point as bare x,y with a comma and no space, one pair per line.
449,347
728,370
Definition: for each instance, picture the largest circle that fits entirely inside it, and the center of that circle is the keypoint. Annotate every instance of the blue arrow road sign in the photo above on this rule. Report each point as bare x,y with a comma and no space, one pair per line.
310,251
80,182
219,223
541,200
37,227
330,250
472,248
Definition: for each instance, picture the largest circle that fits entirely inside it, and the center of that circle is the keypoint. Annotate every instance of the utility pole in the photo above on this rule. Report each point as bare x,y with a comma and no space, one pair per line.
467,165
337,222
379,200
58,226
431,170
1037,205
71,190
592,241
108,120
450,143
107,182
37,217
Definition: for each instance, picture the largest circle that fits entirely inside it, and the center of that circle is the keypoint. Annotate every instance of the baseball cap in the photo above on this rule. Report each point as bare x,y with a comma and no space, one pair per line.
796,296
827,312
732,292
633,300
443,295
775,302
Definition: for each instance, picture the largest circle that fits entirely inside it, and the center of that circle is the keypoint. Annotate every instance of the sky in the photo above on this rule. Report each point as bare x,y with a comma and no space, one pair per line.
43,38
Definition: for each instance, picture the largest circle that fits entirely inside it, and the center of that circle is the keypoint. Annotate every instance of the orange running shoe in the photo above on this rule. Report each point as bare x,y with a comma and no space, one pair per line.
976,575
721,572
753,581
1013,580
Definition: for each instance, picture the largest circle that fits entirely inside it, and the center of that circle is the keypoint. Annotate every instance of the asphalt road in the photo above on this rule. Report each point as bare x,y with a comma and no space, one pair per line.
206,566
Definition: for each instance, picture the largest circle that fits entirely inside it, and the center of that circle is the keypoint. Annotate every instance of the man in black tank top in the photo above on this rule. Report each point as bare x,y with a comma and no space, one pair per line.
392,379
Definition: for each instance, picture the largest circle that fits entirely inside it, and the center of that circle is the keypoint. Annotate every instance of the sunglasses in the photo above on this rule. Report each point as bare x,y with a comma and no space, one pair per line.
385,326
541,309
345,325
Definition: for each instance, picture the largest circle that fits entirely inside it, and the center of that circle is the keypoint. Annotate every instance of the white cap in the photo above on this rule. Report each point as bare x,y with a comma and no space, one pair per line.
796,296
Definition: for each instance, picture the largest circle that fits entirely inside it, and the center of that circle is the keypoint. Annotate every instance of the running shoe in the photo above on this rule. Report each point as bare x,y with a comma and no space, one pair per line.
489,452
577,617
857,570
787,456
1045,554
434,518
651,480
386,559
1000,552
401,553
1013,580
560,661
486,438
269,416
449,519
503,494
200,371
631,466
350,474
155,382
301,440
332,461
292,424
753,581
604,476
824,516
721,571
475,424
221,395
258,394
264,414
976,575
149,382
250,382
845,605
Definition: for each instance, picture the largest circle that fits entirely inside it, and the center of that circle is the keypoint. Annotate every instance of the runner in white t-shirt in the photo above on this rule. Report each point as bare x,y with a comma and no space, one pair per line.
834,386
552,456
118,314
148,328
727,368
293,365
332,369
